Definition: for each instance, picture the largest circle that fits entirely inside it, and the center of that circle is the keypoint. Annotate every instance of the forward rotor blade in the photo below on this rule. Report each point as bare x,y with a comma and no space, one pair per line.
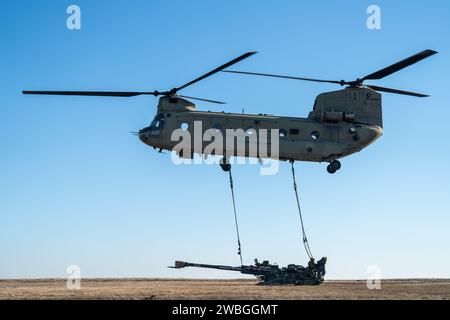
285,77
408,93
399,65
226,65
93,93
201,99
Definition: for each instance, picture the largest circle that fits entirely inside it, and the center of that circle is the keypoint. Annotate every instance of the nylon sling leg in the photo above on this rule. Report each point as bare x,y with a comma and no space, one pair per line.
235,217
305,240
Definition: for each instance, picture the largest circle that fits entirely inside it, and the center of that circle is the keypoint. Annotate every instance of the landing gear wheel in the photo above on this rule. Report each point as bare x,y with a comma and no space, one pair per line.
225,164
334,166
330,169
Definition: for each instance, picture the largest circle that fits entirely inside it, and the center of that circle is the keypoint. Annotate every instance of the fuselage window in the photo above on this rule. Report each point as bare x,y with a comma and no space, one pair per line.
217,127
250,131
184,126
283,133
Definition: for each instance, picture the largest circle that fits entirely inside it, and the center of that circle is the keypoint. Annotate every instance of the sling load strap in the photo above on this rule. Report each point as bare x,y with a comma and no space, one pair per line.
305,240
235,217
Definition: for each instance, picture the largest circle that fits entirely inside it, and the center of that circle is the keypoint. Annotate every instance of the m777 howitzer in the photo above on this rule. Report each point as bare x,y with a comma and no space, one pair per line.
272,274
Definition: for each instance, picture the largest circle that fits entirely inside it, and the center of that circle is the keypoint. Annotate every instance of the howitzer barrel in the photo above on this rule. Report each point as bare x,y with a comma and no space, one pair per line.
182,264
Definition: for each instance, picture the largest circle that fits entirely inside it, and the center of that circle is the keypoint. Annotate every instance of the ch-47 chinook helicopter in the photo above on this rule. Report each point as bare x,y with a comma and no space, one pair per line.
341,123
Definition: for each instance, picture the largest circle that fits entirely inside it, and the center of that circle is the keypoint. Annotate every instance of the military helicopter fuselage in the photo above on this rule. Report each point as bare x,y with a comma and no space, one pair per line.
341,123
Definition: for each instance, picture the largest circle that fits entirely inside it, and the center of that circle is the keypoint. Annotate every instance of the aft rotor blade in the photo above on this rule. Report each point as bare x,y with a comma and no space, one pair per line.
226,65
399,65
201,99
408,93
285,77
93,93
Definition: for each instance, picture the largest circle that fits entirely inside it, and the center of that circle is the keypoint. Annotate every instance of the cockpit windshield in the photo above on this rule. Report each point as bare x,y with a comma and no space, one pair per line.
156,126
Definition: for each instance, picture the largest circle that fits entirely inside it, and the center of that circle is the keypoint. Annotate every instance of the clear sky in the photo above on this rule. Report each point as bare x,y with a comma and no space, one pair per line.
76,188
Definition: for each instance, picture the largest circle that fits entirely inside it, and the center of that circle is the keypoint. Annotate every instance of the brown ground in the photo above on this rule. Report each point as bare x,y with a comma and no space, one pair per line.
220,289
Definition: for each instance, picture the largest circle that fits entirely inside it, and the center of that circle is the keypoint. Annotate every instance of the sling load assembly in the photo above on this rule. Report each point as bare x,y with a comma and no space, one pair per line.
270,274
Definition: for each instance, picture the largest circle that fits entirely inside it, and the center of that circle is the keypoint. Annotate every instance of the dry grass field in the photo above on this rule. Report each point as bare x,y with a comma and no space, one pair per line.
220,289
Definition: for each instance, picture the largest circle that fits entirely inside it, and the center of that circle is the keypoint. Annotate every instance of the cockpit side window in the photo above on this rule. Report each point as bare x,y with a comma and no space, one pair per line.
157,125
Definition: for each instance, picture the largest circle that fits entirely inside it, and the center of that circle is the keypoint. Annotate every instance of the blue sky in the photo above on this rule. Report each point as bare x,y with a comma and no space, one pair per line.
77,188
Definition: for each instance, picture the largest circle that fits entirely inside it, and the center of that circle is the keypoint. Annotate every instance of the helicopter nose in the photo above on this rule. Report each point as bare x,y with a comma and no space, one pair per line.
142,136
